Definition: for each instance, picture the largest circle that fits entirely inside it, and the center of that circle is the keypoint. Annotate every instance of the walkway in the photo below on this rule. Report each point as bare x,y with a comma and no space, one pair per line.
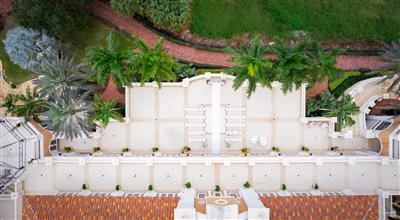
346,62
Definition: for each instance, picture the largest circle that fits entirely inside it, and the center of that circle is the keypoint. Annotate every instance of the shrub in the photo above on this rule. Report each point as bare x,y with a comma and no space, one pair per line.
84,186
283,187
172,15
129,7
188,185
96,149
186,148
154,149
217,188
117,188
333,85
315,186
150,187
29,48
125,149
67,149
245,150
246,185
13,86
335,148
305,149
276,149
59,17
185,71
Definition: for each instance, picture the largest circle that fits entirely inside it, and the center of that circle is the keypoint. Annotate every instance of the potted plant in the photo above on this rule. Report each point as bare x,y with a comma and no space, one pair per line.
275,151
315,190
97,151
245,151
304,150
283,191
217,188
186,149
126,152
67,149
150,191
85,190
154,151
247,185
117,191
335,148
117,188
188,185
315,186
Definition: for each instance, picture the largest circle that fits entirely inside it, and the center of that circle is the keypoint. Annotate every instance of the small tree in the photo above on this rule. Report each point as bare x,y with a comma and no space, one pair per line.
9,102
30,105
104,111
153,64
343,111
29,48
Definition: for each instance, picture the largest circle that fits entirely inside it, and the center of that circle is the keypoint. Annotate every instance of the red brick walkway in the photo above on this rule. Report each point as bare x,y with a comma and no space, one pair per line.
346,62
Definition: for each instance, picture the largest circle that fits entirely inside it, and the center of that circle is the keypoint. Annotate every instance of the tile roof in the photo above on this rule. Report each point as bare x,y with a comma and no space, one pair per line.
99,207
322,207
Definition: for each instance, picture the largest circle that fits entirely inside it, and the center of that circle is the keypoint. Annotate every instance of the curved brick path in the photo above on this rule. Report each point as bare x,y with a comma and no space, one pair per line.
346,62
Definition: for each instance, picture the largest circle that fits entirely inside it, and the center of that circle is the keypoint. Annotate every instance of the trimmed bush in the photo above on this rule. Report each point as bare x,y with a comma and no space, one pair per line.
169,14
29,48
128,7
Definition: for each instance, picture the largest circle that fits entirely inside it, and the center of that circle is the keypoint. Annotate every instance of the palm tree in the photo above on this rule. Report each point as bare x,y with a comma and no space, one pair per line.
343,111
29,105
316,106
104,110
153,63
67,115
61,74
252,65
9,102
110,62
392,54
303,62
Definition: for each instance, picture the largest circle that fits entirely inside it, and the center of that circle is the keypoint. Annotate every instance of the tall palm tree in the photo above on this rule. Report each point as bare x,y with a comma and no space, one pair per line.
104,110
392,54
29,105
251,64
153,63
343,111
67,115
303,62
60,74
9,102
110,62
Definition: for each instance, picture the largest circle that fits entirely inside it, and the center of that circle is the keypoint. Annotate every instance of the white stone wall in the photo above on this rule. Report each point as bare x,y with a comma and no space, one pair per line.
169,175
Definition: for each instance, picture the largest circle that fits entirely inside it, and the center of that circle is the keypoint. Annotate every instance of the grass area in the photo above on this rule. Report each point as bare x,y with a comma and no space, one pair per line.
13,73
94,34
328,19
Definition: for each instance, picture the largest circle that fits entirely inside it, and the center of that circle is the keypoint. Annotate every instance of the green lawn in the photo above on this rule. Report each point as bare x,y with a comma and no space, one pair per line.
93,35
324,19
